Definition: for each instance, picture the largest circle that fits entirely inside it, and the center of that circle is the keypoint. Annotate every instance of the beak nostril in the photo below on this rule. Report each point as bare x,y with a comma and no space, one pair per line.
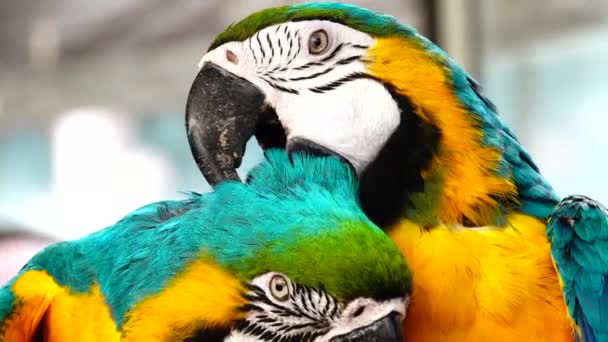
359,311
232,57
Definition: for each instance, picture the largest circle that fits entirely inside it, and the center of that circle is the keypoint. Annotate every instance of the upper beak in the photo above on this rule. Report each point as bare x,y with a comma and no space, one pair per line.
387,329
222,113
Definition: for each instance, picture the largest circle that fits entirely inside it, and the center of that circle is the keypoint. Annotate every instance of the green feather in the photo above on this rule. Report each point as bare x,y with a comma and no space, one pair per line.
364,20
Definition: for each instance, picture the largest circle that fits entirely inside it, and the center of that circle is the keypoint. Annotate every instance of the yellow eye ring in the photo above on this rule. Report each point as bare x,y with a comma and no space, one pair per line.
279,288
318,42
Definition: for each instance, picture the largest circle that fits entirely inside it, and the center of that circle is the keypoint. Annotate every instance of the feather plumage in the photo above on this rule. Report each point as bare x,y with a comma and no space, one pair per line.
578,231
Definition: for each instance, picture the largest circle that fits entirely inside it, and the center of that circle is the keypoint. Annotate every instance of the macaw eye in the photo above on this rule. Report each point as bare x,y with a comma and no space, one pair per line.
318,42
279,288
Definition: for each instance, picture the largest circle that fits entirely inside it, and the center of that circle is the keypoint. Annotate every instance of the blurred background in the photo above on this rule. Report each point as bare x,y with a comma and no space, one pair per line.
92,98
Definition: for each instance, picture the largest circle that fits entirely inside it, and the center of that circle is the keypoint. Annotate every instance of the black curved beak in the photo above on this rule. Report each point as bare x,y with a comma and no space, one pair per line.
387,329
222,113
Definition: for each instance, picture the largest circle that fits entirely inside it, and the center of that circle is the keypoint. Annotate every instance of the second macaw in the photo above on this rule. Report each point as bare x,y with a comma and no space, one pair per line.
440,172
287,257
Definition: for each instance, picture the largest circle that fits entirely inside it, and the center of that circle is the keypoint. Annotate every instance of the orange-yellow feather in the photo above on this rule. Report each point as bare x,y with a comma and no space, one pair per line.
485,284
461,159
202,293
50,311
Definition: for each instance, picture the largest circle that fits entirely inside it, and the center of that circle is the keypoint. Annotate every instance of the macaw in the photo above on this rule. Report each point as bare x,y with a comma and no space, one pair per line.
578,231
439,171
288,257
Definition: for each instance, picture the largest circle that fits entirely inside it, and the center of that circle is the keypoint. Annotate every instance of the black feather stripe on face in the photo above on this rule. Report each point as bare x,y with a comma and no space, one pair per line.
279,45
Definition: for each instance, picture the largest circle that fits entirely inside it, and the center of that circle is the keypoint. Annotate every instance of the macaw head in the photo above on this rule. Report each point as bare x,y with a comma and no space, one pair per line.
337,79
311,266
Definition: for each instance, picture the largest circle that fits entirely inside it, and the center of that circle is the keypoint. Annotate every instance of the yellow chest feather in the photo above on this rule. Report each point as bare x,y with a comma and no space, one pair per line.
202,296
485,284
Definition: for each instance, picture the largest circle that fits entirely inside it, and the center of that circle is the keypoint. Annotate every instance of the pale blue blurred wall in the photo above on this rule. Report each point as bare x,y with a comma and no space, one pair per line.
553,93
72,190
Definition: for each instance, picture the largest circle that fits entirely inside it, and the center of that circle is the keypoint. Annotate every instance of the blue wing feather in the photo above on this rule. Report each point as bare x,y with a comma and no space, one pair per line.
535,195
578,232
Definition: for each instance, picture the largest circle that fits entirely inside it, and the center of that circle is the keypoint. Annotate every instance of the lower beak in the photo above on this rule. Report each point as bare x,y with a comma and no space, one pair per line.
222,113
387,329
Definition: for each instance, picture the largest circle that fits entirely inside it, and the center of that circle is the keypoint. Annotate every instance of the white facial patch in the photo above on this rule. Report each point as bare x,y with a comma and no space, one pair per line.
328,98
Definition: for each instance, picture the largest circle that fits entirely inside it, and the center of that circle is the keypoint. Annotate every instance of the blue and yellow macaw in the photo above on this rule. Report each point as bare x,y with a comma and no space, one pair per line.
578,231
287,257
440,172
